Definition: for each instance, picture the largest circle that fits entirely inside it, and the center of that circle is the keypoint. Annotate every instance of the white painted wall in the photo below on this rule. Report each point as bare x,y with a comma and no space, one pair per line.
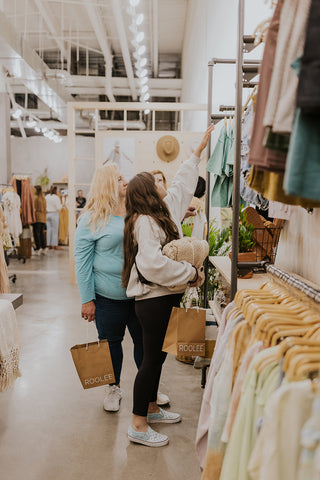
32,155
211,31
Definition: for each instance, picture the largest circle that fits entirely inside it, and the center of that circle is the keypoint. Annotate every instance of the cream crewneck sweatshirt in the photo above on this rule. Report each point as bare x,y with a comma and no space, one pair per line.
152,264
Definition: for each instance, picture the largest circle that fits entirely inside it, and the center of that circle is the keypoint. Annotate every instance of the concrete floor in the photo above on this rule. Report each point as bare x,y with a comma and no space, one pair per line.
52,429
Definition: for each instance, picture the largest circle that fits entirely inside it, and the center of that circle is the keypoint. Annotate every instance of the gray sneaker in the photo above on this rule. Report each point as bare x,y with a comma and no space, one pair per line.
112,399
149,438
164,417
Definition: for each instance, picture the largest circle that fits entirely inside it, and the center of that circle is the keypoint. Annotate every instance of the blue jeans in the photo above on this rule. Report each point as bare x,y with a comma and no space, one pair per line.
112,318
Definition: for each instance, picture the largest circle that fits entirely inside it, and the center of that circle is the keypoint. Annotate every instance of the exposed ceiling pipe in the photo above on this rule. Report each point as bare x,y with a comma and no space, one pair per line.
99,29
51,24
155,38
124,47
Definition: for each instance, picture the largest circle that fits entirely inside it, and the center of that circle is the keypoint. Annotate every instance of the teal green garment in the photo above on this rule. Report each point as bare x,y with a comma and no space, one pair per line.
216,161
220,192
230,154
99,259
256,390
302,175
221,164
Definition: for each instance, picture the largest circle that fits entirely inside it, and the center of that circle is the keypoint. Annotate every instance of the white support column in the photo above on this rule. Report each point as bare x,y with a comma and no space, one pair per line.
5,151
71,189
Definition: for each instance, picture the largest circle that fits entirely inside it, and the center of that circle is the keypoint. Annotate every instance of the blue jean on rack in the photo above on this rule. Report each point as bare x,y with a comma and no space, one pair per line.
112,318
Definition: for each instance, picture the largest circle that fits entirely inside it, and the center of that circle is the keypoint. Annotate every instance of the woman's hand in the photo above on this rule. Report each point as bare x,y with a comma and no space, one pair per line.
191,212
88,311
204,141
199,278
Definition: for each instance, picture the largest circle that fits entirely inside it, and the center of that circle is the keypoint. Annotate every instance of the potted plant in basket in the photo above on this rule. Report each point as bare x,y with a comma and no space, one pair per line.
246,243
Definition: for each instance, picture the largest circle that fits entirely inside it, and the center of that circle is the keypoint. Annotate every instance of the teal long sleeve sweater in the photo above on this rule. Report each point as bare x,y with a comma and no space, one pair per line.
99,259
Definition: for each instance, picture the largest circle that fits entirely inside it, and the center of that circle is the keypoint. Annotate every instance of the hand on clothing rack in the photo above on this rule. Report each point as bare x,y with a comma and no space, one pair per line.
204,141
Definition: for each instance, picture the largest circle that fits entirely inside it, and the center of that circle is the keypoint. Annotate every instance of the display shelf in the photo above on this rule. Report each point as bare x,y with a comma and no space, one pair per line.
223,265
15,298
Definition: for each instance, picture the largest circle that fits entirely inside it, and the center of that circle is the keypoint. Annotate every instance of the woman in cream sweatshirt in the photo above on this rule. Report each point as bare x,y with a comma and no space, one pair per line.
153,219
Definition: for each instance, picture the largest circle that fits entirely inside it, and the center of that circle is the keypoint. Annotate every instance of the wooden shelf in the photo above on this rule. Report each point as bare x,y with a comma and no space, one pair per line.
223,265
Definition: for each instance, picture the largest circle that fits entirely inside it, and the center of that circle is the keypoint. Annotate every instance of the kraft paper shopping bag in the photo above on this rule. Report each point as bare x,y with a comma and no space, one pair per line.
93,363
185,334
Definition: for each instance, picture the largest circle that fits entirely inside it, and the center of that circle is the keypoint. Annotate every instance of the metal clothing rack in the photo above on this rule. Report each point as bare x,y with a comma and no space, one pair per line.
246,71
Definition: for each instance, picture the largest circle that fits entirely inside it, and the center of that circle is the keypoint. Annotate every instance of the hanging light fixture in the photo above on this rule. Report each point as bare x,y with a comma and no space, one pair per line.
141,50
139,19
139,37
17,113
142,73
143,80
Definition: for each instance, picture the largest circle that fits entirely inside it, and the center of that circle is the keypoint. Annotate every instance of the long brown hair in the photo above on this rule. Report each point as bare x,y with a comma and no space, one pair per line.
38,191
142,198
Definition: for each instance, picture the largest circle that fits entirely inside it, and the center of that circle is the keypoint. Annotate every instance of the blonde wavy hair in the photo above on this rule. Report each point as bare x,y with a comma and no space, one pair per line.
103,197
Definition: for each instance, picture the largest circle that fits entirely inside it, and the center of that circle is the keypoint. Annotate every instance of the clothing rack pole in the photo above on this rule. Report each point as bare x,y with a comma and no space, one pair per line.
209,121
295,282
237,153
246,69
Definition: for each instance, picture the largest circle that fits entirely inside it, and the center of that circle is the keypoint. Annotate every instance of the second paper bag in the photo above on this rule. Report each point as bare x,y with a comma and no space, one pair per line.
185,334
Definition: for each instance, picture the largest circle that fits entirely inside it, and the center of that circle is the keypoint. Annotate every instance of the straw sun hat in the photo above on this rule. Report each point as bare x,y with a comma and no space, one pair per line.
168,148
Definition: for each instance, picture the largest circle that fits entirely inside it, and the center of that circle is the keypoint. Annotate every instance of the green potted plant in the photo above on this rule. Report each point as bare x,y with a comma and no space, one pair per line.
246,243
43,179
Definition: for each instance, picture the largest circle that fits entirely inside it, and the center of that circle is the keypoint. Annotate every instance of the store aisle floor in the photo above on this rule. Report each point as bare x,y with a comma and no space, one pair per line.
52,429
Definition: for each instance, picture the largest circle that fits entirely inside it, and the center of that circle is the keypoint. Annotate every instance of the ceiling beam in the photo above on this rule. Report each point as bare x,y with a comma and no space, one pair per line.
21,61
93,85
51,24
155,37
99,30
124,47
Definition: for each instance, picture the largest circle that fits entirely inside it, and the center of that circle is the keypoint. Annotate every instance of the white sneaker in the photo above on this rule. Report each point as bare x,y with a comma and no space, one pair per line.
162,399
36,252
44,251
112,399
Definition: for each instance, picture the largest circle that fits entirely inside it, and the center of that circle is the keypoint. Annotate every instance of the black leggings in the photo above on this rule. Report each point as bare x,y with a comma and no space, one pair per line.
153,315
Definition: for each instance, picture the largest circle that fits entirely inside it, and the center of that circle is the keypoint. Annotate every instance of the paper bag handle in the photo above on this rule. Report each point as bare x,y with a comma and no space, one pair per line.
87,342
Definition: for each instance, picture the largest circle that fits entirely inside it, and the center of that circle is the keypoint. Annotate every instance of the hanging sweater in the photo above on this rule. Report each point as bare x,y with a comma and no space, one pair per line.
150,238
